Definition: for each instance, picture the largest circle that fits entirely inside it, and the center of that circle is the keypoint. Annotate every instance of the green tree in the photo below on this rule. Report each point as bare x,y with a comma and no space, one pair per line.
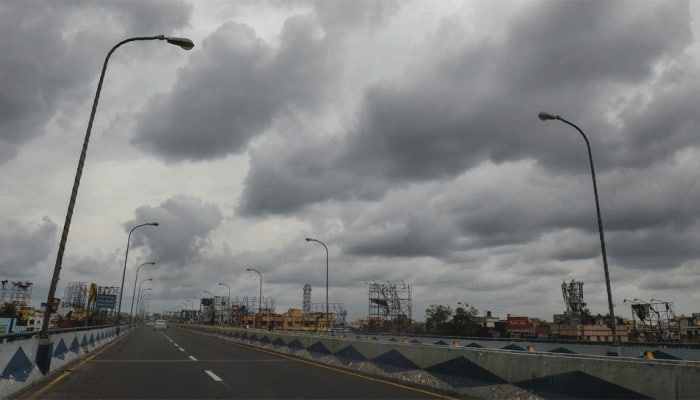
465,320
437,317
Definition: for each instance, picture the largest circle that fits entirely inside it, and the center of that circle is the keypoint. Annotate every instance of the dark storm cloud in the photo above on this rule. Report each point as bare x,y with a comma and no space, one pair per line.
43,64
22,248
184,224
347,14
579,43
234,88
481,103
292,172
406,235
149,18
37,67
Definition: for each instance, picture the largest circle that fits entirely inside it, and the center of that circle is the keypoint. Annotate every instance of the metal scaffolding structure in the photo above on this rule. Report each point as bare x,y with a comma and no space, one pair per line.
654,321
573,298
252,304
337,311
16,292
76,296
390,305
306,305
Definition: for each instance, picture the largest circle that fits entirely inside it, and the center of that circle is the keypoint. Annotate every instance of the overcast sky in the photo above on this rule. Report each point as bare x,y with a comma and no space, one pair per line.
402,134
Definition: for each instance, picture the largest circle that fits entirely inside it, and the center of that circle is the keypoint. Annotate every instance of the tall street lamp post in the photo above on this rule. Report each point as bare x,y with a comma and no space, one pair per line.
228,302
260,295
43,357
545,117
126,256
140,295
325,247
133,294
144,296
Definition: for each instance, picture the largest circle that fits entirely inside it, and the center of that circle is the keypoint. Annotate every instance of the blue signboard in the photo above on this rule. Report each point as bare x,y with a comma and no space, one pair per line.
106,301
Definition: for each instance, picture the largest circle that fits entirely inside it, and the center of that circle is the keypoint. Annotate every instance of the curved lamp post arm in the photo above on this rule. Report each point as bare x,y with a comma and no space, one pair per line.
133,294
325,247
184,43
544,117
126,256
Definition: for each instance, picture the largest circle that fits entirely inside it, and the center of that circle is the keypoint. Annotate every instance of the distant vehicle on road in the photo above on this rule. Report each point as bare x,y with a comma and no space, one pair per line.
160,324
149,323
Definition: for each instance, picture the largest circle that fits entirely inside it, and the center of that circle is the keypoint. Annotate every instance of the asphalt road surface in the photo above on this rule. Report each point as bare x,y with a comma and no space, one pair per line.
180,364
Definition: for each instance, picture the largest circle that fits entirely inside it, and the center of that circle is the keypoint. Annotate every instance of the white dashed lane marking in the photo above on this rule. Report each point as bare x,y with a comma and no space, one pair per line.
213,376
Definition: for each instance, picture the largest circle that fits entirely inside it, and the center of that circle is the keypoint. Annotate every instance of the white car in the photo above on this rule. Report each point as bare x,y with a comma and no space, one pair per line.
160,324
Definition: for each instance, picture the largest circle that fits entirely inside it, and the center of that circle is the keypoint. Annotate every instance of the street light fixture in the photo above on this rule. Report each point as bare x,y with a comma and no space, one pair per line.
133,294
126,256
545,117
228,303
43,356
325,247
260,295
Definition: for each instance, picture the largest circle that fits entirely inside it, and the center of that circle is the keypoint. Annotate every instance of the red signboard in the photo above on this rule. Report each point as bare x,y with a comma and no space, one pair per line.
518,324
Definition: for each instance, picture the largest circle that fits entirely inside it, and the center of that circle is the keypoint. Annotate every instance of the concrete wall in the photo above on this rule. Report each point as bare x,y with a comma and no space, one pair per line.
18,358
480,372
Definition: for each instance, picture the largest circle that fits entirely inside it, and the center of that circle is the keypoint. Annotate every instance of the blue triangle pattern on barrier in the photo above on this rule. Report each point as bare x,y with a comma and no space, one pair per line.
393,361
460,372
265,340
416,341
476,345
61,350
92,340
19,367
562,350
84,343
296,345
74,345
441,343
278,342
349,354
577,385
513,347
660,355
318,350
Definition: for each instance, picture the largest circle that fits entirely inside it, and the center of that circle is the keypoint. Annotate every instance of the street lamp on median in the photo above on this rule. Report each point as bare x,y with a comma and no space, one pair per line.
144,296
545,117
126,256
133,294
325,247
228,302
140,294
43,356
260,295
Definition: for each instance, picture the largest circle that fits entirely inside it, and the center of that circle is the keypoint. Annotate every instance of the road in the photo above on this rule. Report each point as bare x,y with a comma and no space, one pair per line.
180,364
